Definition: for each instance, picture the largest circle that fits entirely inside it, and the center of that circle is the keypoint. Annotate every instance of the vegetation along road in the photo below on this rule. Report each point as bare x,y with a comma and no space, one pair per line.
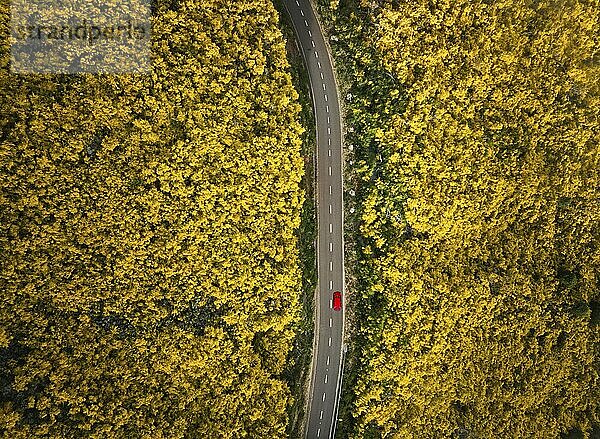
329,323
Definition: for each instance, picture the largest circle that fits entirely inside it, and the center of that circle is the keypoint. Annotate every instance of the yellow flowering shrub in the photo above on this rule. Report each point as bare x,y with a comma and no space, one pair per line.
149,263
476,143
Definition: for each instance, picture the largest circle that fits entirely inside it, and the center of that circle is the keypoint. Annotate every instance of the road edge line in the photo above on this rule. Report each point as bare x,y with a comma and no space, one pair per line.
316,307
342,165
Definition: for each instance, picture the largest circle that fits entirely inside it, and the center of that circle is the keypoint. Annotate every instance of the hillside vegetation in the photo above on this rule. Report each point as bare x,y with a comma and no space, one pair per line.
476,133
148,248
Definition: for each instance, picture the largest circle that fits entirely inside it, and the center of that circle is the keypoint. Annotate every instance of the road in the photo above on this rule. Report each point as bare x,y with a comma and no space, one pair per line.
329,324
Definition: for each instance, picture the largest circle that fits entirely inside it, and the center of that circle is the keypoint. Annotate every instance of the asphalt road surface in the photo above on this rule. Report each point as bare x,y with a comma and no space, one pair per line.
329,324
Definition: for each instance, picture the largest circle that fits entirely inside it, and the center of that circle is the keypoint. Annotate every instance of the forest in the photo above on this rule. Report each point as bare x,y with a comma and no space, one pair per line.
474,139
149,262
151,247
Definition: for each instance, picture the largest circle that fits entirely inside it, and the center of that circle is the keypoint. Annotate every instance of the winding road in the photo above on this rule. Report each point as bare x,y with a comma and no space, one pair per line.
326,378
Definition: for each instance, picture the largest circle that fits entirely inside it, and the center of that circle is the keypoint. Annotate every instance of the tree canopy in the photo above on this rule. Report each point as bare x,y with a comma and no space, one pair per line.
149,269
476,136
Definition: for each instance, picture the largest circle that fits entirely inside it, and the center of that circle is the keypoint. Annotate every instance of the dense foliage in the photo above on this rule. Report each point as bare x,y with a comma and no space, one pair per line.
148,255
476,133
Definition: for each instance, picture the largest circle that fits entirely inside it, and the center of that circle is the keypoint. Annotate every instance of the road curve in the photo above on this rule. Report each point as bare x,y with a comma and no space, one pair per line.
329,324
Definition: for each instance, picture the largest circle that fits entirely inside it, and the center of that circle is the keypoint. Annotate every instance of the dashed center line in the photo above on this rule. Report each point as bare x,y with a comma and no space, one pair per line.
330,171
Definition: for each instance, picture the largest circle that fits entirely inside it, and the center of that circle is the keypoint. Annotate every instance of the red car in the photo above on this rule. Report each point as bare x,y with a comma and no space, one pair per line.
337,301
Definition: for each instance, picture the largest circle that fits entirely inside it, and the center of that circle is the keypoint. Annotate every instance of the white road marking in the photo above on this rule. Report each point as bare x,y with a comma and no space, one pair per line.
302,12
327,108
324,87
312,42
306,23
330,188
325,379
327,360
322,77
330,228
321,415
316,54
325,98
329,131
329,341
323,396
310,34
330,170
328,119
330,265
329,142
319,64
329,153
330,306
330,322
331,285
331,246
297,3
330,209
318,432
